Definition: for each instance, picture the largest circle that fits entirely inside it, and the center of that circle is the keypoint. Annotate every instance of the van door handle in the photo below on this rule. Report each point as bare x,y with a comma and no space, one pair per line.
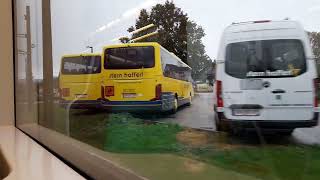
278,91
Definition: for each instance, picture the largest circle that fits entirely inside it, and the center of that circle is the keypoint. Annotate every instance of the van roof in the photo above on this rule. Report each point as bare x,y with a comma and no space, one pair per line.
264,30
263,25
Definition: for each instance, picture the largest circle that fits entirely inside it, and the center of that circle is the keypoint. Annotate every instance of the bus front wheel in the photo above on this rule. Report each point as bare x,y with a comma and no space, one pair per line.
190,101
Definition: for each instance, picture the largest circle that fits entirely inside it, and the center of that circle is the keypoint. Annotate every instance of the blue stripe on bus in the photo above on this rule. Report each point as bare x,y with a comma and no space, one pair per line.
132,103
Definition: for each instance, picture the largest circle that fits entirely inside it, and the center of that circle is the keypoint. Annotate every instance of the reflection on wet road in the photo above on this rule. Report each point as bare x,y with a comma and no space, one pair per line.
199,115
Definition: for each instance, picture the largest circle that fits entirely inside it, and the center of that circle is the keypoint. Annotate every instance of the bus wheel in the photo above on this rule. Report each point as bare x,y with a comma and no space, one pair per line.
175,106
190,101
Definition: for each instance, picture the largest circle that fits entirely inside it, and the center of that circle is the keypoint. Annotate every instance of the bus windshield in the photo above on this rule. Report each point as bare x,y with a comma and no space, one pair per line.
130,58
81,65
267,59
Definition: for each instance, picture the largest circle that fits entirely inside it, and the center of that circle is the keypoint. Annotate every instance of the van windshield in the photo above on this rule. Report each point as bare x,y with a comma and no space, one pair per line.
130,58
81,65
267,59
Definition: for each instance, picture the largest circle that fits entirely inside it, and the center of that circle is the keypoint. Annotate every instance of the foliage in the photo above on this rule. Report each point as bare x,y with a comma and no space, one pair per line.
125,133
198,59
315,42
177,34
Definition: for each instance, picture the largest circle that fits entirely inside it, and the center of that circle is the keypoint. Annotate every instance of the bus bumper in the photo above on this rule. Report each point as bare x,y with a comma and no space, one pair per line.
133,106
80,104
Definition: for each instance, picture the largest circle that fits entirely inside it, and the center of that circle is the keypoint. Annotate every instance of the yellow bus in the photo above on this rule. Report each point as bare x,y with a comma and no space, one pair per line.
143,77
80,81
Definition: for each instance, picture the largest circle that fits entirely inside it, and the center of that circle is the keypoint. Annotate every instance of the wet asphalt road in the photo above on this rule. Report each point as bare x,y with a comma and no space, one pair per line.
200,116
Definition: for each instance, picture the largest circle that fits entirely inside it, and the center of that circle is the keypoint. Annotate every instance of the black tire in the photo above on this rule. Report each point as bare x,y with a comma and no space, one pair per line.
286,132
190,101
175,107
221,123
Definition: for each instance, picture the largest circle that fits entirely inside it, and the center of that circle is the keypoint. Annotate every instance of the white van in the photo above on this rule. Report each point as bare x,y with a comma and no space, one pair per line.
266,78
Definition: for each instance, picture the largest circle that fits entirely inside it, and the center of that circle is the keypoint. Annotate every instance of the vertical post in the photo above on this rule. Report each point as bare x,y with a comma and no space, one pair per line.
91,48
29,77
16,54
47,64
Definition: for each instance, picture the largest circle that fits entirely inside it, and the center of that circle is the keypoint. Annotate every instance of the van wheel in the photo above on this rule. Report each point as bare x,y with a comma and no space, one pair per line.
222,125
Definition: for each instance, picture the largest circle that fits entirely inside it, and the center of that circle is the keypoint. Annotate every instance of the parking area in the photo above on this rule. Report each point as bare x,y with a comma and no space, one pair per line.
200,116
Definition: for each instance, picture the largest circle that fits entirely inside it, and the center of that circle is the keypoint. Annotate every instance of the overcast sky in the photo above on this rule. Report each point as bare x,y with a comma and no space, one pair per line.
79,23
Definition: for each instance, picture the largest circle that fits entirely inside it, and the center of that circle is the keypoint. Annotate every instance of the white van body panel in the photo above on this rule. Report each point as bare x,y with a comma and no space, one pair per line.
296,103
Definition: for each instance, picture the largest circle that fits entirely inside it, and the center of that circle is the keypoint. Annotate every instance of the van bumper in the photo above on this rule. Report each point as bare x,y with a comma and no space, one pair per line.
274,124
133,106
80,104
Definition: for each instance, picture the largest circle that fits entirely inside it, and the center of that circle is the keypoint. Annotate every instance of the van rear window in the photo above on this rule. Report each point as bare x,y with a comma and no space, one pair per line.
265,59
81,65
130,58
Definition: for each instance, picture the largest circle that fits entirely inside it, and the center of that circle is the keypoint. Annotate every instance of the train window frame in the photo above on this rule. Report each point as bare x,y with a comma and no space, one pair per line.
88,161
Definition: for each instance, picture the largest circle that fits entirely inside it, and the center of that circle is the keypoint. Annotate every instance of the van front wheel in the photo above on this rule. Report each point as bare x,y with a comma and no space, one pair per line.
287,132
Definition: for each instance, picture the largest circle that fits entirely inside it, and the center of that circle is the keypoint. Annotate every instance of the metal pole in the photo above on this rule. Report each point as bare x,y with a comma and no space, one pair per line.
144,37
29,77
47,64
90,47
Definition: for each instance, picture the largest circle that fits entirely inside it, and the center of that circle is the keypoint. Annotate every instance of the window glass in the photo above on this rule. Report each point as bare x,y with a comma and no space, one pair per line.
157,89
130,58
269,59
81,65
173,68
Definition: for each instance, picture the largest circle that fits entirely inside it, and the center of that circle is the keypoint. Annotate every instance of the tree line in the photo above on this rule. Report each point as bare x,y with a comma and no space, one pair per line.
178,34
182,36
315,43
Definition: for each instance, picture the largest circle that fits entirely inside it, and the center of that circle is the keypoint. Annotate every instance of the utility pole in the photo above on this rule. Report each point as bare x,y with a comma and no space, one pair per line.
47,64
26,54
29,76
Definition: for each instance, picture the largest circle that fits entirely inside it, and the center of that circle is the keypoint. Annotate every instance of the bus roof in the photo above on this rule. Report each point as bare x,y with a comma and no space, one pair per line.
154,44
84,54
